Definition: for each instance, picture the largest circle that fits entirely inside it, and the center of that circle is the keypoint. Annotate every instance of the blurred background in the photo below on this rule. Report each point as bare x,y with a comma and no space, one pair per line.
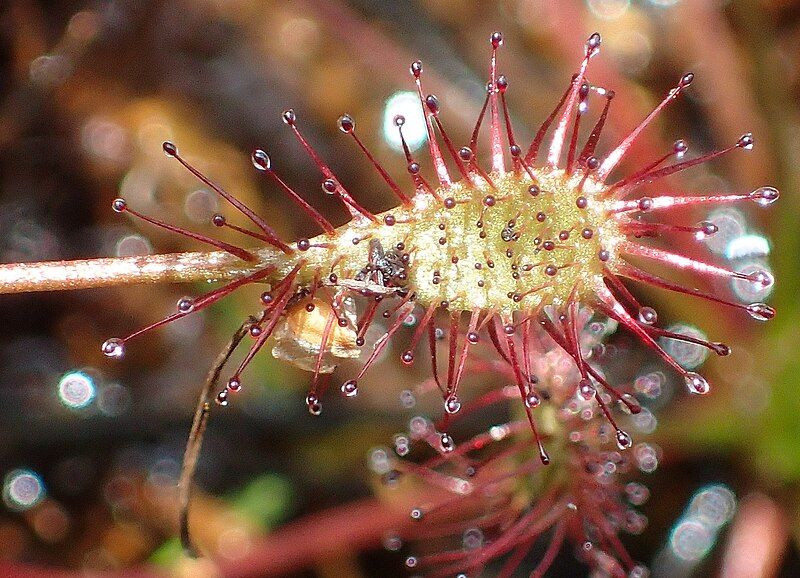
90,449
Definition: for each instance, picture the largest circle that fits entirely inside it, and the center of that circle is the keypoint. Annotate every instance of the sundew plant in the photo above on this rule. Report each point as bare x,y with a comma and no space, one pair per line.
511,285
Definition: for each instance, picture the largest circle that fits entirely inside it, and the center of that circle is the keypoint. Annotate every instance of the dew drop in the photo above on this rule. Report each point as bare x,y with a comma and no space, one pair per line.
119,205
350,388
761,277
645,204
630,404
465,153
705,229
532,400
586,389
593,44
314,405
472,538
114,348
473,337
392,542
185,305
411,562
765,196
761,311
419,426
407,399
329,186
496,39
637,493
416,68
401,445
696,383
648,315
746,142
680,147
432,103
222,398
447,443
417,514
289,117
502,86
261,160
452,405
720,349
407,357
686,79
399,120
624,440
346,123
169,149
233,384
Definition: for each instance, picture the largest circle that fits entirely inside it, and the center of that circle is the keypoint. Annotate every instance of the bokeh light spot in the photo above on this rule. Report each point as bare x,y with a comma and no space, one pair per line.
132,245
608,9
690,540
405,104
688,355
76,389
22,489
747,246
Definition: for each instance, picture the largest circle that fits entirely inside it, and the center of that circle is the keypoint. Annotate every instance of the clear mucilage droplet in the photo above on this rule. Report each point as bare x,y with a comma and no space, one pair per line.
114,348
452,404
350,388
696,383
447,443
648,315
760,311
586,389
765,196
624,440
314,405
261,160
532,400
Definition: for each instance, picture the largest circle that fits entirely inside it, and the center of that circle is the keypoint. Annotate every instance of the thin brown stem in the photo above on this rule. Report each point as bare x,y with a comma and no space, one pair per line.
171,267
195,441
